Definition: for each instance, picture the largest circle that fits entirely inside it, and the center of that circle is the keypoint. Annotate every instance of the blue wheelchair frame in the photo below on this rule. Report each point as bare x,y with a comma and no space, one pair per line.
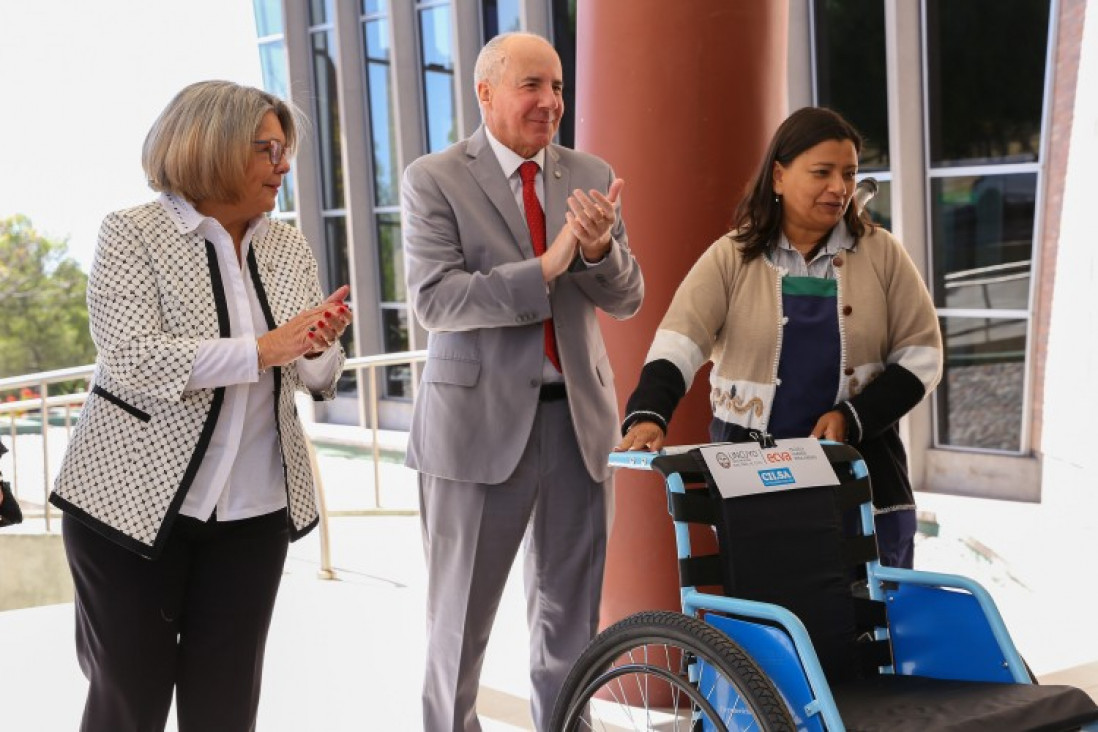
940,625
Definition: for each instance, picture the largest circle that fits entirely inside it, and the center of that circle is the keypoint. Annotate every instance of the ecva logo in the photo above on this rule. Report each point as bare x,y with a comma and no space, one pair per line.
777,476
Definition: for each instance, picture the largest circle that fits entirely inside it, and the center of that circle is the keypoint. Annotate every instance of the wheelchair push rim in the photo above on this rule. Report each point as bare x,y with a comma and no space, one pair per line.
668,671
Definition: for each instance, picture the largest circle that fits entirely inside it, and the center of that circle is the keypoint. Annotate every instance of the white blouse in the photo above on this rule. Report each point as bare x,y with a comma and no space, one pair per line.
241,472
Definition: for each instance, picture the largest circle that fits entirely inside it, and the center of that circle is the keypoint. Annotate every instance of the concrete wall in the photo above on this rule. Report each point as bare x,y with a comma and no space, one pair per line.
33,570
1070,469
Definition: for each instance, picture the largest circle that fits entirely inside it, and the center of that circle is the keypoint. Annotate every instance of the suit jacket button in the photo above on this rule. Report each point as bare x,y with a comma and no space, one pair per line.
847,310
848,371
837,261
535,383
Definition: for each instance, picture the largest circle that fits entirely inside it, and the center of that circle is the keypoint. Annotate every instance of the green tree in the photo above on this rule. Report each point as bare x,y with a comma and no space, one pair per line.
43,315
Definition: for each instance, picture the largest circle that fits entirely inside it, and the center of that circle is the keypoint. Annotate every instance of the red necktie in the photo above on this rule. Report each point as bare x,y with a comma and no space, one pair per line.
535,219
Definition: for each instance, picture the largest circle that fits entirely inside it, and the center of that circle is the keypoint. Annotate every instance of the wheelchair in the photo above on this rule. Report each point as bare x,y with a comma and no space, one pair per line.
806,630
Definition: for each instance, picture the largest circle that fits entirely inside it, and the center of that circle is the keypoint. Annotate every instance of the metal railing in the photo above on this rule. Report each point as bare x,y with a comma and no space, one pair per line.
42,404
986,278
372,364
20,419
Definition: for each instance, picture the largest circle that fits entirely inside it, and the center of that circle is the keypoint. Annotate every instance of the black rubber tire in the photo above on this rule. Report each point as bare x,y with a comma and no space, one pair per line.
597,668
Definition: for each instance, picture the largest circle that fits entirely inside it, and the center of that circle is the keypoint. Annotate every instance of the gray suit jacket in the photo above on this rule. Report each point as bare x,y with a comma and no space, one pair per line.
477,288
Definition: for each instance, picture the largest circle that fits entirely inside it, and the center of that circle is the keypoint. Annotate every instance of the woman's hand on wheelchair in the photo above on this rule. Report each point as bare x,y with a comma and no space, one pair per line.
642,436
831,426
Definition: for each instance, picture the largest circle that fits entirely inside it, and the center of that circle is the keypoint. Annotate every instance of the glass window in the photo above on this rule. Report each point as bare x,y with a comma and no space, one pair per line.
268,17
376,36
386,185
321,12
272,61
394,326
339,273
335,239
373,7
380,109
327,115
391,258
395,381
438,77
563,20
441,122
286,198
501,16
979,400
983,240
985,80
850,70
347,384
985,72
435,37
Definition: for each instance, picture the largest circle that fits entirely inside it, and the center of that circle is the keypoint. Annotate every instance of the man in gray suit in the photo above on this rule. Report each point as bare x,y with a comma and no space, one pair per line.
516,412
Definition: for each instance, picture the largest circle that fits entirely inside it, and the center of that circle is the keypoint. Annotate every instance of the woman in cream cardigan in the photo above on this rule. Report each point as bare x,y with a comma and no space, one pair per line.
816,321
187,474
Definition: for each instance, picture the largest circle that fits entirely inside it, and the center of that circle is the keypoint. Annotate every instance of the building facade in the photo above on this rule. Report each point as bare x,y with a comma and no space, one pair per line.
383,82
967,109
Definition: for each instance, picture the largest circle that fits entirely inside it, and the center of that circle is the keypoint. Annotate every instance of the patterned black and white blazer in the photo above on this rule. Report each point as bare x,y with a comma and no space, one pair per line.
154,294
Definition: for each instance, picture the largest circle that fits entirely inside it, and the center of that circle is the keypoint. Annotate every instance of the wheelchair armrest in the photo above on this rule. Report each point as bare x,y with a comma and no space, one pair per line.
947,626
635,459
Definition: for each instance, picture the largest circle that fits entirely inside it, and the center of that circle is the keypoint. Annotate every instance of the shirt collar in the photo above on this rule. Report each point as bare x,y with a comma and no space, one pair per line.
838,240
188,220
510,160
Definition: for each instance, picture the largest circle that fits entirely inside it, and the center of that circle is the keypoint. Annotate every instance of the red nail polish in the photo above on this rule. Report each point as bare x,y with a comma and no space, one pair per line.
310,334
321,324
327,314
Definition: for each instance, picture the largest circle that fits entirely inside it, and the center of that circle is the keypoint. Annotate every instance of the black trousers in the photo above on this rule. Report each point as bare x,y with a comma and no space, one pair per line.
194,621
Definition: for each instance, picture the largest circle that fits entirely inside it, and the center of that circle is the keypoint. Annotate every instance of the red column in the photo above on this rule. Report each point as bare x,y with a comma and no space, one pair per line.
681,98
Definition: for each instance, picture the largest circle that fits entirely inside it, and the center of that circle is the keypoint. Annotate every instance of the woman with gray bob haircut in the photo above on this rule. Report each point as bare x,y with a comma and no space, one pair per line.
188,474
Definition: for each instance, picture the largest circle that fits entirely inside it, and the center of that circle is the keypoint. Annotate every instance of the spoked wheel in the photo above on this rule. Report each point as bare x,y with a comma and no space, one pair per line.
668,671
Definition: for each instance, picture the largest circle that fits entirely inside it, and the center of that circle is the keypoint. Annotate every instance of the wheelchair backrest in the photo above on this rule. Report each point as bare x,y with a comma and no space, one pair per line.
802,549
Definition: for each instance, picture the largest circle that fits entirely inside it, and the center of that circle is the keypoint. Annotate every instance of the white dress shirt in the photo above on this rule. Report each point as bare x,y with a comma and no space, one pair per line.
241,472
510,161
791,262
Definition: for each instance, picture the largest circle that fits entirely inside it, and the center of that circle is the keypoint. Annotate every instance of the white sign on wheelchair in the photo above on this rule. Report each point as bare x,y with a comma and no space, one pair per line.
744,469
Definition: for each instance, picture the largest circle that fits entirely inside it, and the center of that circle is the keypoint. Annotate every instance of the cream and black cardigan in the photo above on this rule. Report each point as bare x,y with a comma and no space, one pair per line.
154,294
730,312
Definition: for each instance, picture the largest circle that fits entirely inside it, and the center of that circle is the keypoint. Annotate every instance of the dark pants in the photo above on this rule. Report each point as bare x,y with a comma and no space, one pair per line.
896,538
195,621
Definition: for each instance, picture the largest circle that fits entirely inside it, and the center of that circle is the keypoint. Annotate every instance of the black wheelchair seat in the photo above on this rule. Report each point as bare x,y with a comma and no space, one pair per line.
919,703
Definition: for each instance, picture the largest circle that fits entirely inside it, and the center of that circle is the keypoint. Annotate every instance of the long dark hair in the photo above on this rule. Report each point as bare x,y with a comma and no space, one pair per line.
758,216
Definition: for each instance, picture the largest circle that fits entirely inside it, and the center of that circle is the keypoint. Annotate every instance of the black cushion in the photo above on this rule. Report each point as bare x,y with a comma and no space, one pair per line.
917,703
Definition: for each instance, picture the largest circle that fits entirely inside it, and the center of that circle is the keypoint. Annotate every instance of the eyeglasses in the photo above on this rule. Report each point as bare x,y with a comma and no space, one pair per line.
275,149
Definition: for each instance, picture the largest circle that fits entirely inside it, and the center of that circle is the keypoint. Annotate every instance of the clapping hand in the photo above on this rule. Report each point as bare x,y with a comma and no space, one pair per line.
309,333
592,217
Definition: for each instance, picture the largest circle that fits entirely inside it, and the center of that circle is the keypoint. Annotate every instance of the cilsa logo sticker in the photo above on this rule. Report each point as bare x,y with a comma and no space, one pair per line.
777,476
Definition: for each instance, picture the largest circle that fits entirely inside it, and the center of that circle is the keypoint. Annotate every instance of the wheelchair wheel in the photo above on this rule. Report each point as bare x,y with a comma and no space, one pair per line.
668,671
